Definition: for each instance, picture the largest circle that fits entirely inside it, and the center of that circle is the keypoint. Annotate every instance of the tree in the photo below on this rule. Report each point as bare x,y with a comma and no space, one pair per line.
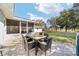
68,19
53,22
76,10
64,18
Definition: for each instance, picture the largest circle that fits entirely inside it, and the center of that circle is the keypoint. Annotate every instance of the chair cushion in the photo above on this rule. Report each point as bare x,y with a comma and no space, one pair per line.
41,40
44,43
30,39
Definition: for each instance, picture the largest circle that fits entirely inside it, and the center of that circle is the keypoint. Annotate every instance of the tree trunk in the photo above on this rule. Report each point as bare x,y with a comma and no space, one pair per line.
56,28
66,29
74,29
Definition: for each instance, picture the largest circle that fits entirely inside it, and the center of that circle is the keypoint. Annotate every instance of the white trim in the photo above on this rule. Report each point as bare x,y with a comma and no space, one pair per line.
33,26
20,27
27,27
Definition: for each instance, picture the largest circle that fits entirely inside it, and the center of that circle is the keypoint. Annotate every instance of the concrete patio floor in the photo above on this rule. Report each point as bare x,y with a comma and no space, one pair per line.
58,49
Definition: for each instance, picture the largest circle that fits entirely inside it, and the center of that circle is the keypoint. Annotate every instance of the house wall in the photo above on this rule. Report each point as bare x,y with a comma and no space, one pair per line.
7,9
2,28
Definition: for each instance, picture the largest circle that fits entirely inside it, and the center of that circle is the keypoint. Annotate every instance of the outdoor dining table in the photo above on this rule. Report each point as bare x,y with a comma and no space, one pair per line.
36,38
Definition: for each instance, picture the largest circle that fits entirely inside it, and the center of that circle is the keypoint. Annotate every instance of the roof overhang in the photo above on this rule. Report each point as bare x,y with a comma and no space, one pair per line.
21,19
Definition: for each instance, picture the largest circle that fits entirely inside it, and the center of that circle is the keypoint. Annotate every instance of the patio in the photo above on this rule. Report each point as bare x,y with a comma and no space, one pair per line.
14,26
58,49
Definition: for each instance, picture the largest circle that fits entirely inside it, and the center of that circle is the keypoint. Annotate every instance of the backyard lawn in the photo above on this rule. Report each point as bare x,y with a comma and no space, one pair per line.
65,37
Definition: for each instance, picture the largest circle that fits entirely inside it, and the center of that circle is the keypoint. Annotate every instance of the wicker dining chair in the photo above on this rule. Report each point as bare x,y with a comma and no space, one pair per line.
45,45
28,43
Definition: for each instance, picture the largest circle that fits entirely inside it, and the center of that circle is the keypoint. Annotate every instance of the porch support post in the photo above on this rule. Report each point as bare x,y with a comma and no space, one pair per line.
33,26
27,27
20,27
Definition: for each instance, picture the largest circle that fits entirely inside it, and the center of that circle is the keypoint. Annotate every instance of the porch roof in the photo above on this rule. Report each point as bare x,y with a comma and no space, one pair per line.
21,19
11,22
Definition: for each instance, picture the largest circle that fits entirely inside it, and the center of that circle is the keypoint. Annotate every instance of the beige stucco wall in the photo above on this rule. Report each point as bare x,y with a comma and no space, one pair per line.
7,9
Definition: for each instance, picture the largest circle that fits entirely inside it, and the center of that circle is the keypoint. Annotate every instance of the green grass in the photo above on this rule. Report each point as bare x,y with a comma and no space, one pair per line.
63,36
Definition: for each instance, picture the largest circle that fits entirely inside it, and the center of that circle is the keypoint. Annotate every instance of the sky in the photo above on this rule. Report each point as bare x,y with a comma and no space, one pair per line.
40,11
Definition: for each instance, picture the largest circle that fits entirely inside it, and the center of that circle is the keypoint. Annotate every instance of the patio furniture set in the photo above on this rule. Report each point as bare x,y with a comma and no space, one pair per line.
38,42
